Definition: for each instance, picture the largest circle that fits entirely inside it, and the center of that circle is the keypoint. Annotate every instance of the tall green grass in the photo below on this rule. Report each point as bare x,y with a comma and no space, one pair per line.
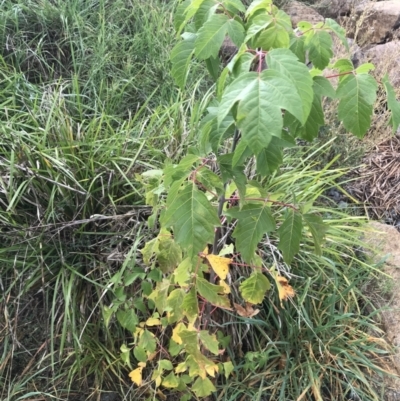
87,104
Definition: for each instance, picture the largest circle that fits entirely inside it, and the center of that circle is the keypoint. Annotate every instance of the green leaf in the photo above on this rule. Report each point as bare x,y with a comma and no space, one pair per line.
290,235
174,349
189,340
297,46
182,272
160,294
140,354
203,387
236,32
211,36
176,172
170,381
365,68
212,64
150,249
274,37
318,230
242,64
180,57
254,220
261,98
209,341
323,87
107,314
270,158
319,45
213,134
211,293
131,275
393,104
189,12
254,288
284,61
174,305
127,319
228,368
257,24
357,95
237,4
343,65
207,8
165,364
232,173
125,354
179,16
193,219
210,180
169,256
315,120
190,304
339,31
147,341
258,5
241,154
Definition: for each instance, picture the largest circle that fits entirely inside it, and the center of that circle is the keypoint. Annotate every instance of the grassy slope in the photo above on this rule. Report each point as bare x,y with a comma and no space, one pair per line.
86,103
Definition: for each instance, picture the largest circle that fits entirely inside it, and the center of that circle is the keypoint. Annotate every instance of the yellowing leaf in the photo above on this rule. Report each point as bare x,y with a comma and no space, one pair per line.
171,381
220,265
175,332
225,286
285,290
181,367
153,322
211,369
248,311
136,375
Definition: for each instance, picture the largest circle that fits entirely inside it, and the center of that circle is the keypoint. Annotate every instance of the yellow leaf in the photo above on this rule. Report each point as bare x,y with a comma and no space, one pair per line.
181,367
211,369
285,291
136,375
220,265
175,332
227,289
137,333
152,321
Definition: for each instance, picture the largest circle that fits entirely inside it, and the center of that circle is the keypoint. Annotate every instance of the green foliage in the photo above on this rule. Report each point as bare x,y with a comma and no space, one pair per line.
266,97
